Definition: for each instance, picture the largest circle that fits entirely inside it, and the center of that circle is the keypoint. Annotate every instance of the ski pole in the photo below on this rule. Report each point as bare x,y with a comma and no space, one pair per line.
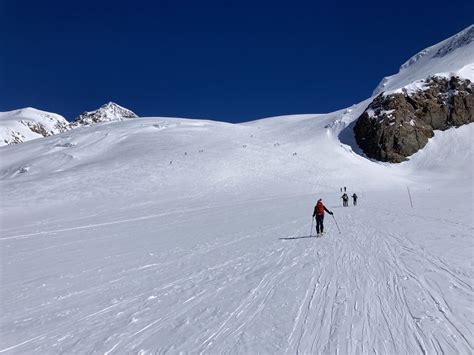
312,221
336,224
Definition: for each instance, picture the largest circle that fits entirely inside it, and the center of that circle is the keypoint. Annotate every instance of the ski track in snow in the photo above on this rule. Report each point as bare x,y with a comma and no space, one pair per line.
365,290
141,218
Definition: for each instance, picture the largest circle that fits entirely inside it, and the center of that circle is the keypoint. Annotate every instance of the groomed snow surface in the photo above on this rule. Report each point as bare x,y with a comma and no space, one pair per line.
171,235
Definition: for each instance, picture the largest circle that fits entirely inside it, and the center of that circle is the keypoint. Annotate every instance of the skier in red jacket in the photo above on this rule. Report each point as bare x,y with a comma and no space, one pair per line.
319,214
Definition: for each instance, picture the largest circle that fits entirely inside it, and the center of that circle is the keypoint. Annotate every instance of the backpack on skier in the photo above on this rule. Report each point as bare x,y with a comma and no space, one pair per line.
319,208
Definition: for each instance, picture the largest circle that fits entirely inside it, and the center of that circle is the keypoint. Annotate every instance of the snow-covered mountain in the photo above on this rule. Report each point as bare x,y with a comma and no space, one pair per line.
25,124
451,57
28,123
175,235
106,113
433,90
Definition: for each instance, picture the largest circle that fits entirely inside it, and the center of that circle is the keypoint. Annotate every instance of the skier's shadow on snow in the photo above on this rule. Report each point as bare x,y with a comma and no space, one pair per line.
293,238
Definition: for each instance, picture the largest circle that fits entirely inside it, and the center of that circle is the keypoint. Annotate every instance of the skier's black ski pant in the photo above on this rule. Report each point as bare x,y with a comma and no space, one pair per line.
319,223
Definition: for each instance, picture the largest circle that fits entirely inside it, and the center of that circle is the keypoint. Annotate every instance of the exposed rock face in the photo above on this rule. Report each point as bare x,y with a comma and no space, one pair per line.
55,127
106,113
397,125
12,137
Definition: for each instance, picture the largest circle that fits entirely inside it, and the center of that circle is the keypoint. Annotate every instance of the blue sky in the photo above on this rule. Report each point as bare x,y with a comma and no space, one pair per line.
223,60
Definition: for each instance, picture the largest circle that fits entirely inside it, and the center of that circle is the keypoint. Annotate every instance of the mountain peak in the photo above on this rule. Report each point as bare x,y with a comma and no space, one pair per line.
111,104
106,113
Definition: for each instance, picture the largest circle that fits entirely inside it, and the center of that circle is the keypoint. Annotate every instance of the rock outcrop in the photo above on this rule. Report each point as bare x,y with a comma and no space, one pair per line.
106,113
397,125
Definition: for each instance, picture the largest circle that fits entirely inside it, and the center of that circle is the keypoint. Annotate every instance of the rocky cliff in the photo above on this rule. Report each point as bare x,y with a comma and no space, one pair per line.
396,125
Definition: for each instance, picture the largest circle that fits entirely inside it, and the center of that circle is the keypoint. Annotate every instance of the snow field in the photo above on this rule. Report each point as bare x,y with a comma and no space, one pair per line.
229,278
210,254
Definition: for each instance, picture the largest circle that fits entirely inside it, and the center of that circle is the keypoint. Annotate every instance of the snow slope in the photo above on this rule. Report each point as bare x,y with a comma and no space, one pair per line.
121,251
25,124
453,56
176,235
28,123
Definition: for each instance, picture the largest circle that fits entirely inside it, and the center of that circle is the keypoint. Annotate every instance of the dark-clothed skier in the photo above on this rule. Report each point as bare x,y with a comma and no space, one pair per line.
345,200
319,214
354,199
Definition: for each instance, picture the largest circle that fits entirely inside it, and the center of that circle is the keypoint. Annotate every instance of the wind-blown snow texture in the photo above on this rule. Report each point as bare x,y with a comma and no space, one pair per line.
163,234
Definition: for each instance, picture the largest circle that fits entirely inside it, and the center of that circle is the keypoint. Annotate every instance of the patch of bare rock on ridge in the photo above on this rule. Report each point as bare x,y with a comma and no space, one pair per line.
106,113
397,125
29,123
39,128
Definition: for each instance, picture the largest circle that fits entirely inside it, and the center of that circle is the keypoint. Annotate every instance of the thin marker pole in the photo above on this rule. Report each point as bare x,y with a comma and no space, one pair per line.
409,195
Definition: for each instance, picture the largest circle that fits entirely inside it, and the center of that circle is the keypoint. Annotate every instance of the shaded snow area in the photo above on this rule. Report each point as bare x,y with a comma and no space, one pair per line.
172,235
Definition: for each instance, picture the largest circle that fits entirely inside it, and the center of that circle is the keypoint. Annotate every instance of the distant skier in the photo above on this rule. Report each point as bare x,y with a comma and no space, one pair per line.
345,200
354,199
344,189
319,214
